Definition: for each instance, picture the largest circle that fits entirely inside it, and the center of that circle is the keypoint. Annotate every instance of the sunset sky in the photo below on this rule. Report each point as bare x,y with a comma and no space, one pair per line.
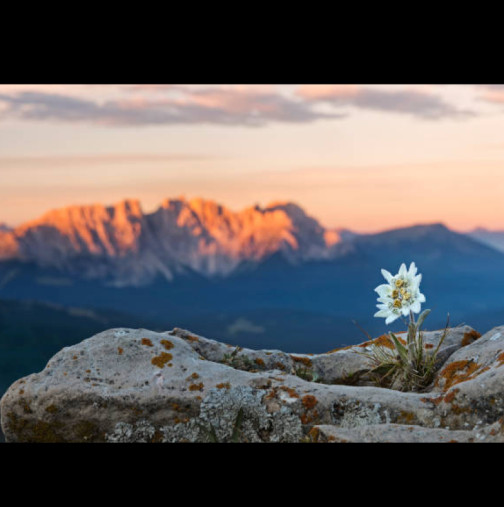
365,157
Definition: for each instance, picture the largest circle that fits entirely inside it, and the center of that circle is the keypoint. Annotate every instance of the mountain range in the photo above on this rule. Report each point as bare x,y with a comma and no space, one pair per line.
258,277
495,239
125,246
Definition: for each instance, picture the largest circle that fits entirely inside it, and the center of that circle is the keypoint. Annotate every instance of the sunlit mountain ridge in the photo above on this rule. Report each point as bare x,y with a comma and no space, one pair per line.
130,247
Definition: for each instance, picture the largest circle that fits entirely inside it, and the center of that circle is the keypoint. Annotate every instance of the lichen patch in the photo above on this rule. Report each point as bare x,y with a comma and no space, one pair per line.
162,359
167,344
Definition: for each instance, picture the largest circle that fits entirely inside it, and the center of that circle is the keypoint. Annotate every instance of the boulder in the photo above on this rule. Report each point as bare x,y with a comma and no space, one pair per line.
349,365
135,385
401,433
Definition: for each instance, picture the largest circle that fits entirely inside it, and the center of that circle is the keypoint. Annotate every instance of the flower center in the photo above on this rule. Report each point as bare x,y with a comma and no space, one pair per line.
400,294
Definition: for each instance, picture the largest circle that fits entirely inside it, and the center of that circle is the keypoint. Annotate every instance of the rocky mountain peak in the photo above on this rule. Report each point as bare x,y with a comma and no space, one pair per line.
195,233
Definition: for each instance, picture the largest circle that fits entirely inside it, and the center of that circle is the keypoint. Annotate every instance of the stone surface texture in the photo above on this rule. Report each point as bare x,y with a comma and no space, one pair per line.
135,385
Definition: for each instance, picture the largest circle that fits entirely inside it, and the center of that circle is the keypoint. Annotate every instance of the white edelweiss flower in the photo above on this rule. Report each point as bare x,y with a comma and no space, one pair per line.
400,295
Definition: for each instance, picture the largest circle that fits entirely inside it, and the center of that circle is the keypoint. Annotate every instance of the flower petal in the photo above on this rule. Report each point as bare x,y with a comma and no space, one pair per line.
415,307
386,300
412,271
383,290
402,270
387,275
382,313
391,318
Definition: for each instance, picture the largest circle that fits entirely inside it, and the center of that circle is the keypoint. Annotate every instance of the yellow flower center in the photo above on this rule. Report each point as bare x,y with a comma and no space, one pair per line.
399,283
397,303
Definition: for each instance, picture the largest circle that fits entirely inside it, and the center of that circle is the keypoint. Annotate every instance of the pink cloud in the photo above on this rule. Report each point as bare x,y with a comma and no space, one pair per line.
320,92
492,93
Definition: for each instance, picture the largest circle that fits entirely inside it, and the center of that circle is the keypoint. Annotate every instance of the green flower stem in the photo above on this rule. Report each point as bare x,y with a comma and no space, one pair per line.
412,349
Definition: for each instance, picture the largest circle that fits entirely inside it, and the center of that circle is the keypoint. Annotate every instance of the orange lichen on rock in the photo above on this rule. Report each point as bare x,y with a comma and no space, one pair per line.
436,401
339,348
309,401
429,346
382,341
120,350
291,392
451,395
309,417
162,359
223,385
259,361
280,366
406,417
456,372
271,394
167,344
500,358
314,434
191,338
470,337
457,409
146,341
196,387
305,360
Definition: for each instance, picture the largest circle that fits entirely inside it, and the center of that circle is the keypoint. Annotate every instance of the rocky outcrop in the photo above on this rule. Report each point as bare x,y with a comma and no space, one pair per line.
126,385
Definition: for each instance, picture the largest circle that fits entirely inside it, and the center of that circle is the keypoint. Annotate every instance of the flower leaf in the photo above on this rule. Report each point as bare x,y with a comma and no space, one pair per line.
401,349
422,317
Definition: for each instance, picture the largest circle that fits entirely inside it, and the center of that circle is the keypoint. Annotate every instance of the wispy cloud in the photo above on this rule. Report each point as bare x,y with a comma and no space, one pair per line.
493,93
247,107
415,102
242,105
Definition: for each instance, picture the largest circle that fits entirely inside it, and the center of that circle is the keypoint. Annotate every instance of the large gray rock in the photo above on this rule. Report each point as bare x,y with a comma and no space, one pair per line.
401,433
349,365
126,385
470,385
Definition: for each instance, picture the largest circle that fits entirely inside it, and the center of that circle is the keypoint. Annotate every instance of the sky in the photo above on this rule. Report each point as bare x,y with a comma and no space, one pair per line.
363,157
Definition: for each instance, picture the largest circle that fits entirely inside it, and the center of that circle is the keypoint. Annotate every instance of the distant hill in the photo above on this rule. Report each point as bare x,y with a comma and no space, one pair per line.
31,332
494,239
